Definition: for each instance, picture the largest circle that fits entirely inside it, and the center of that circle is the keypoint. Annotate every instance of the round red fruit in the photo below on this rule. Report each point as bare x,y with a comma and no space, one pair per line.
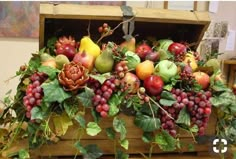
177,48
207,111
202,79
143,50
103,114
153,85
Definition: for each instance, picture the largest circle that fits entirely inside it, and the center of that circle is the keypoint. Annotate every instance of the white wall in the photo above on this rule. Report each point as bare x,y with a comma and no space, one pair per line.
14,52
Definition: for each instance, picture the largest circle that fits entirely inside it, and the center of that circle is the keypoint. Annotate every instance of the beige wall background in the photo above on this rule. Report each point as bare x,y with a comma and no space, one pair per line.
17,51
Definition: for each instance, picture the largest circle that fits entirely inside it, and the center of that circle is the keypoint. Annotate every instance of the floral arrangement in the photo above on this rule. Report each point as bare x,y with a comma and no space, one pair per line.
163,84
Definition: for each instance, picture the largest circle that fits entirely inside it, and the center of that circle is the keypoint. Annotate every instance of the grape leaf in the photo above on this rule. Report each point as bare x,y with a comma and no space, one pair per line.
147,137
71,106
119,126
93,129
184,117
61,123
147,123
194,129
51,72
101,77
165,141
110,133
113,102
86,97
53,92
125,144
167,99
92,152
133,59
121,155
23,154
80,119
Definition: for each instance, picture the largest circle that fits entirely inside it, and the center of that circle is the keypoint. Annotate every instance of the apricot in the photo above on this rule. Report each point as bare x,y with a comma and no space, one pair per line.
144,69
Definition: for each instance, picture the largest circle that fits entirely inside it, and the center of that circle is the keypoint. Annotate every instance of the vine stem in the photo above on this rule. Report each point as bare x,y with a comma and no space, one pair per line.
112,30
161,108
88,29
149,104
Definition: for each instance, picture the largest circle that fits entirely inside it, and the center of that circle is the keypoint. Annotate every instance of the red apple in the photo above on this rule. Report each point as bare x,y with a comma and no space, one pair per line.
202,79
143,50
153,85
85,59
177,48
153,56
131,81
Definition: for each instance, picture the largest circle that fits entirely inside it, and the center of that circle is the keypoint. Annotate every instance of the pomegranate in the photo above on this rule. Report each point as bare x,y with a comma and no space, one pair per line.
85,59
131,81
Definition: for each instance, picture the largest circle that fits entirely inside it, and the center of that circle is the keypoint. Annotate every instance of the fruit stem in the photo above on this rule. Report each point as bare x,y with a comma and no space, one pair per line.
112,30
88,29
149,104
161,108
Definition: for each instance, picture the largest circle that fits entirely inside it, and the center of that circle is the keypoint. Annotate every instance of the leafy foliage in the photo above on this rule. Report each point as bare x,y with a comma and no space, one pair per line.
184,117
167,99
165,141
93,129
119,126
147,123
86,97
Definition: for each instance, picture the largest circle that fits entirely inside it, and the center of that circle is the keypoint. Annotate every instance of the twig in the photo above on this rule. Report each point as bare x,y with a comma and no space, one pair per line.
7,81
88,29
112,31
161,108
152,113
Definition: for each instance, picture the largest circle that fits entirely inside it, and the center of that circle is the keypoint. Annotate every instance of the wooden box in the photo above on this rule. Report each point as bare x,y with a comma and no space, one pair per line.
67,19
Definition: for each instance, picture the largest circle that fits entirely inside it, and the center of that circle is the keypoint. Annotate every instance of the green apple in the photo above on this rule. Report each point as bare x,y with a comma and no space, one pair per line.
214,63
166,69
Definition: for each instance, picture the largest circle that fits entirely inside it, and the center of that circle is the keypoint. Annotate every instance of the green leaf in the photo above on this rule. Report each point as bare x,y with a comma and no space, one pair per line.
101,77
167,99
53,92
71,106
114,102
133,59
191,147
37,113
80,119
194,129
110,133
51,72
23,154
93,129
86,97
61,123
147,137
93,152
184,117
119,126
95,115
165,141
125,144
34,63
147,123
80,147
121,155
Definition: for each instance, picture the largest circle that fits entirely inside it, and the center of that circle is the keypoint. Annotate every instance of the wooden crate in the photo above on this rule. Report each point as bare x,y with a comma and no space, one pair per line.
68,19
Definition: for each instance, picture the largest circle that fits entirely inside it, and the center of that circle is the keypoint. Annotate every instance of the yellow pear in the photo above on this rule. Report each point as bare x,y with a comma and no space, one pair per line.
130,44
88,46
190,58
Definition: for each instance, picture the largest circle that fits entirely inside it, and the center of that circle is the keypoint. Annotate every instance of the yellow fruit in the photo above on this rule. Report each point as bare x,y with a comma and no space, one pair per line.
193,63
129,45
144,69
50,63
87,45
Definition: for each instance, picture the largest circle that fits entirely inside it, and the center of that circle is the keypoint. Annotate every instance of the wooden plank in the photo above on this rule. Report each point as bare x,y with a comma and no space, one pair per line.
229,62
41,31
70,11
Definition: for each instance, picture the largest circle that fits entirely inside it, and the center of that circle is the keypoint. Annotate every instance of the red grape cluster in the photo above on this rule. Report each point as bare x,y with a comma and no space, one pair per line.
199,108
187,74
102,95
121,68
104,29
34,92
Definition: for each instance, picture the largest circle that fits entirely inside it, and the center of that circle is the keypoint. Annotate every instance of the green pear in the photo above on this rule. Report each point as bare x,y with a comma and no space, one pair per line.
45,57
104,62
214,63
61,60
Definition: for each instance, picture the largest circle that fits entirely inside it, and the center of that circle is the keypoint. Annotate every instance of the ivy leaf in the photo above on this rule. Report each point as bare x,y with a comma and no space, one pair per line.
147,137
86,97
80,119
101,77
23,154
191,147
194,129
110,133
93,129
95,115
61,123
114,102
34,62
167,99
125,144
37,113
165,141
51,72
147,123
184,117
93,152
80,147
121,155
53,92
119,126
